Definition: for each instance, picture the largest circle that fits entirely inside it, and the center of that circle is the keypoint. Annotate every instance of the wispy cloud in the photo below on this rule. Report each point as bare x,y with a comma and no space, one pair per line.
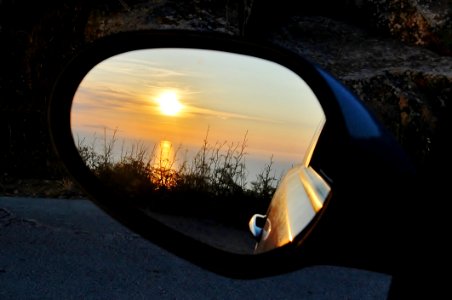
108,97
206,112
139,68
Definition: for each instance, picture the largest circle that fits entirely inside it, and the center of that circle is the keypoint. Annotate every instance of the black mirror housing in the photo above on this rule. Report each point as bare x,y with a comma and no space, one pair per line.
369,173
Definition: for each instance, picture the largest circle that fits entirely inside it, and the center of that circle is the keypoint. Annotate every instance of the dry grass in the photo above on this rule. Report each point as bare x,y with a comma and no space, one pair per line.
213,182
218,169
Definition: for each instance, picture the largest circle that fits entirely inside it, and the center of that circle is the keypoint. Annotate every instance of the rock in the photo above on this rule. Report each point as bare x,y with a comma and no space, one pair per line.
219,16
409,88
425,23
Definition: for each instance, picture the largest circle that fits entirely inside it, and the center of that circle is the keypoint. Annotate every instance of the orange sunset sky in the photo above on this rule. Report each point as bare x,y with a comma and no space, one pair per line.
178,94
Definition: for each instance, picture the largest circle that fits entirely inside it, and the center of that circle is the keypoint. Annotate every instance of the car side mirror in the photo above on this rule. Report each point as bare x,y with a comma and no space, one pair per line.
232,154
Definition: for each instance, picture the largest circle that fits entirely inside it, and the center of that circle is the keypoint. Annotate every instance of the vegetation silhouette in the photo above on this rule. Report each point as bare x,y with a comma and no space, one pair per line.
212,185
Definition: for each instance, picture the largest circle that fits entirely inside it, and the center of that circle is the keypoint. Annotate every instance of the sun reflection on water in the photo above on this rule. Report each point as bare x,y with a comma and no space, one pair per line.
164,165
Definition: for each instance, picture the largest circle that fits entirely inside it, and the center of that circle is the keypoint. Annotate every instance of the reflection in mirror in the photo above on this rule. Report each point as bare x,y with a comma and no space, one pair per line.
200,139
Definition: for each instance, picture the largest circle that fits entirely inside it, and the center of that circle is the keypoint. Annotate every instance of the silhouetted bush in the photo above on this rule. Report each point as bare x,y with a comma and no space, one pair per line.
214,182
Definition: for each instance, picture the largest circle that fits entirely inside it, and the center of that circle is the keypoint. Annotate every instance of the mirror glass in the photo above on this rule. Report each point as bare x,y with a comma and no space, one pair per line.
201,140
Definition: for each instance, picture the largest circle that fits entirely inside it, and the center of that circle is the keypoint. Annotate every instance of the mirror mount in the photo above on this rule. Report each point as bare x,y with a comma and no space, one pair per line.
256,225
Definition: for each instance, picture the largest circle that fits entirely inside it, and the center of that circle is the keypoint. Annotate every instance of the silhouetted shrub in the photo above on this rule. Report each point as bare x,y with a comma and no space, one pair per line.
213,182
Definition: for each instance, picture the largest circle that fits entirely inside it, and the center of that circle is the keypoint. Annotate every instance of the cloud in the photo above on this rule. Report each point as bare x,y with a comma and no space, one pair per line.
206,112
101,97
138,68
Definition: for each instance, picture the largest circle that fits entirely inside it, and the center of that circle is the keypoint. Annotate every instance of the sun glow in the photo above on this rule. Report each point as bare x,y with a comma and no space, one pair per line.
164,165
165,155
169,104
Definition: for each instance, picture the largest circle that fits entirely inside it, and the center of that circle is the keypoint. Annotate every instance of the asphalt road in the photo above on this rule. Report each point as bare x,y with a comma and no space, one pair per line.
69,249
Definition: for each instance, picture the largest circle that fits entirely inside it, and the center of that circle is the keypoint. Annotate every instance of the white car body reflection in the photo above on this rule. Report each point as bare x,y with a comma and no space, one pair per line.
300,195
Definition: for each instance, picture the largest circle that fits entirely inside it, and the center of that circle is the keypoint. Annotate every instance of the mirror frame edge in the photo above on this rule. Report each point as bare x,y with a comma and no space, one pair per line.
224,263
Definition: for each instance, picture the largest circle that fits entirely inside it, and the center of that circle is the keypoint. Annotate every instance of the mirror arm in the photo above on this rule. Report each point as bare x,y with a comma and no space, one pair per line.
256,225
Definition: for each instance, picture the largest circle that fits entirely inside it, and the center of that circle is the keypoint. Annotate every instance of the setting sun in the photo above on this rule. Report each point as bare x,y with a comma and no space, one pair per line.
169,104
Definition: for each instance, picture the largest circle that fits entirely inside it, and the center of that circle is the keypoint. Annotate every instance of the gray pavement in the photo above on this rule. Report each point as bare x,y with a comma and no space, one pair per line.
69,249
